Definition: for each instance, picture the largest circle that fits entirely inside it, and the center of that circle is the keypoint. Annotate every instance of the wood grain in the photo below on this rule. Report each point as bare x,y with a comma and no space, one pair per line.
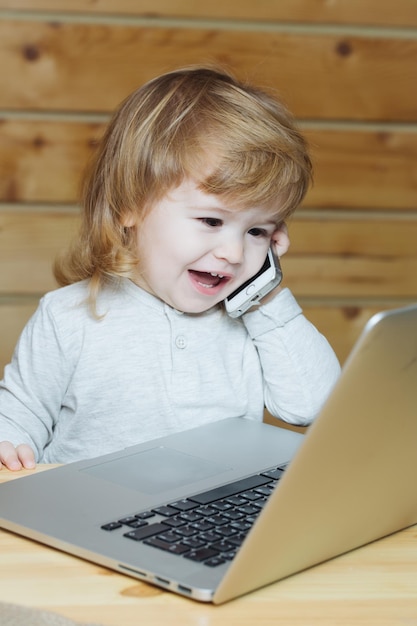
29,242
43,161
364,168
400,13
91,67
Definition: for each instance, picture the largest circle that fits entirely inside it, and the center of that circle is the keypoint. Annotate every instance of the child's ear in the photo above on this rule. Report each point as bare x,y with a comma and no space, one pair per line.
280,240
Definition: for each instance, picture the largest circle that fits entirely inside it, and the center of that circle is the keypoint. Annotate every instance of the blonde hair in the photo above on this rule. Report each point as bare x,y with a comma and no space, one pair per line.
235,140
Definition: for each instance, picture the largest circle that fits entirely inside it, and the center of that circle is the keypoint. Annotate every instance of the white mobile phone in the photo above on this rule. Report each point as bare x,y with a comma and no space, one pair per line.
248,294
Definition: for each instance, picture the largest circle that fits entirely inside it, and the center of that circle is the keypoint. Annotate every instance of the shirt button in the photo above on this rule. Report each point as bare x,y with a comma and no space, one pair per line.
181,342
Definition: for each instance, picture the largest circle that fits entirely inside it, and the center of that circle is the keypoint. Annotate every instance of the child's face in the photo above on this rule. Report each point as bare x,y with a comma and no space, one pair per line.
196,250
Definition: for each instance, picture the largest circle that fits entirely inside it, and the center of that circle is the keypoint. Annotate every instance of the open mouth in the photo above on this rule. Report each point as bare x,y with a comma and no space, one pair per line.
209,280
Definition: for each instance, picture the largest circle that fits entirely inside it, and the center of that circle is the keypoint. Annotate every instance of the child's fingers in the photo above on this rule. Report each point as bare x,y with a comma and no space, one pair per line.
16,458
26,456
8,456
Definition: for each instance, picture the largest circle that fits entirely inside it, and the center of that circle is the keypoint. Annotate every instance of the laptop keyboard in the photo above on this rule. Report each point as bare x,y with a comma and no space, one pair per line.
208,527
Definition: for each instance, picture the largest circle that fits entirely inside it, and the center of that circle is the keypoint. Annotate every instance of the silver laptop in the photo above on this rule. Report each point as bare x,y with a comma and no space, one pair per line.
221,510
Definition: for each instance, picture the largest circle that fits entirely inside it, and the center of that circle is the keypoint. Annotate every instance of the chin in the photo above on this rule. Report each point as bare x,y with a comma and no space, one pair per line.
196,308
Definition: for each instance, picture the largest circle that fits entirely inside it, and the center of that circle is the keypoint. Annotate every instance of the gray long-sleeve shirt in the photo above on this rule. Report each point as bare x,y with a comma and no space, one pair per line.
78,386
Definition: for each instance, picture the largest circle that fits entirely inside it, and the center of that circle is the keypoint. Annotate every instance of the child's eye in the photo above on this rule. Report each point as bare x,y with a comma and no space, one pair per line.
258,232
213,222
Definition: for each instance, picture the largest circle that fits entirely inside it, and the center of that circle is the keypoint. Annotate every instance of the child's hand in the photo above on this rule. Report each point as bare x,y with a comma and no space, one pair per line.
21,457
280,243
280,240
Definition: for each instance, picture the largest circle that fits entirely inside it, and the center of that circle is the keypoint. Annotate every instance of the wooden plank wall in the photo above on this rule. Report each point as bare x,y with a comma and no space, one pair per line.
347,68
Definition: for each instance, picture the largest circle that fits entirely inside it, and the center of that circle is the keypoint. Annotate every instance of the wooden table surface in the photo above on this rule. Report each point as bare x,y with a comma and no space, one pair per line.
374,585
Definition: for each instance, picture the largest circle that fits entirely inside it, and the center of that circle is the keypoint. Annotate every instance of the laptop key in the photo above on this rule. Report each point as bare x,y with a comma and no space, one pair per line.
166,511
233,515
259,504
215,561
251,495
275,474
201,555
169,537
175,548
111,526
145,515
146,531
248,509
185,531
174,522
191,516
230,489
241,526
226,531
136,523
223,546
221,505
202,526
209,536
217,520
228,556
236,500
184,505
263,491
207,511
193,543
236,540
128,520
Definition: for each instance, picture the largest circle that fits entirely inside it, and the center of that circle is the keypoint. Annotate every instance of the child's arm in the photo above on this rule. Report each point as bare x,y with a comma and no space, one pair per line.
21,457
31,391
299,366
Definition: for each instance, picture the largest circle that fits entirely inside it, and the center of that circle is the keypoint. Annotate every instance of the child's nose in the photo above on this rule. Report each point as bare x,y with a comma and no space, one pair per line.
231,250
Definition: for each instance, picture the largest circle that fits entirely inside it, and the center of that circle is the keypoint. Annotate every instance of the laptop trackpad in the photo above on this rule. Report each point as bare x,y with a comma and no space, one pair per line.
156,470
